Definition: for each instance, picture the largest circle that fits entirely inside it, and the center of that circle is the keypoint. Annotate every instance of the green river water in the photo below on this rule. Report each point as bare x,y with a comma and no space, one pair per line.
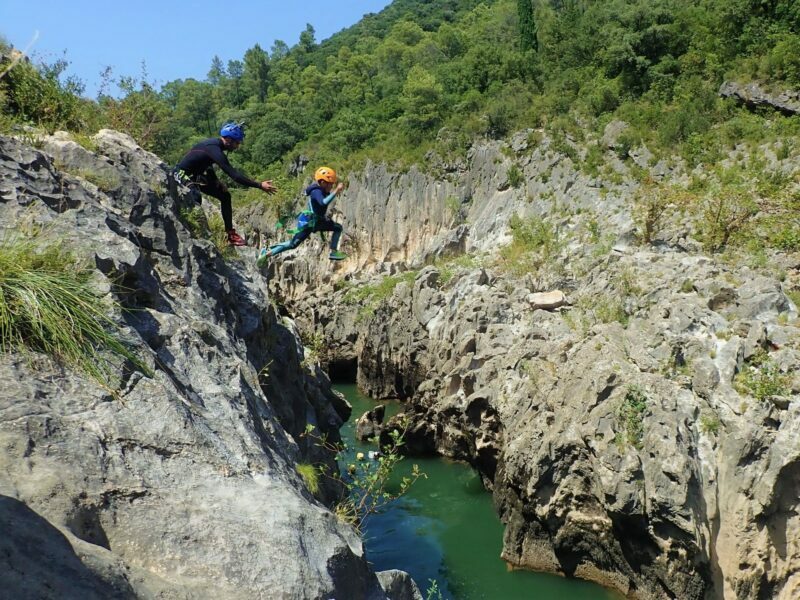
446,531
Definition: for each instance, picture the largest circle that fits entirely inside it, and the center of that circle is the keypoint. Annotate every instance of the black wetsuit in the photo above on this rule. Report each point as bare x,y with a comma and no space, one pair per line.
197,168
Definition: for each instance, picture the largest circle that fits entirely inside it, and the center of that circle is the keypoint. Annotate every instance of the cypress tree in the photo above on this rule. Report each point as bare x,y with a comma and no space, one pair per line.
527,25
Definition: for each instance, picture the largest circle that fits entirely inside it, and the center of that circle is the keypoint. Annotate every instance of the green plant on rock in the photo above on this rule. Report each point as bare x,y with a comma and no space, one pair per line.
195,220
212,228
105,181
219,237
533,243
453,206
515,176
47,305
627,282
627,141
371,485
630,415
788,237
652,205
709,424
608,309
310,475
726,212
593,161
590,310
448,266
85,141
794,296
314,342
593,229
369,296
784,150
577,321
761,378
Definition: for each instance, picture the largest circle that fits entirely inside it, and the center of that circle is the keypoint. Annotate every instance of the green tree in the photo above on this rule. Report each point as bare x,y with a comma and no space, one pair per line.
232,90
279,50
307,39
35,94
255,75
141,112
421,101
216,74
527,25
305,47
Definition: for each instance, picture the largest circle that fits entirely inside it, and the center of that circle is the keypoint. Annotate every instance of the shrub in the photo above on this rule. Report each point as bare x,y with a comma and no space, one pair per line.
761,378
652,205
783,61
725,213
788,238
195,219
627,141
593,161
453,206
47,305
370,485
369,296
515,177
35,95
534,241
631,415
709,424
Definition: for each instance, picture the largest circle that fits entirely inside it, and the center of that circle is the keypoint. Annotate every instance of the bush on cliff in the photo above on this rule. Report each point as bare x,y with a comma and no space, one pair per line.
47,305
38,95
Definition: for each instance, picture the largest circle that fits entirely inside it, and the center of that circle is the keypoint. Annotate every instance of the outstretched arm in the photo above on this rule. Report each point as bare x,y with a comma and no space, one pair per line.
228,169
332,196
222,160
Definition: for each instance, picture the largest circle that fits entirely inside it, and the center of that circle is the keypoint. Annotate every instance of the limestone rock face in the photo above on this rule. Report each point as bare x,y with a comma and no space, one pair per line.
369,424
178,485
599,396
753,96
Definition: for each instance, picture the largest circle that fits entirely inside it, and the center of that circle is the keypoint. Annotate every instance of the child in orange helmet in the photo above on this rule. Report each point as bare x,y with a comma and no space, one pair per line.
321,195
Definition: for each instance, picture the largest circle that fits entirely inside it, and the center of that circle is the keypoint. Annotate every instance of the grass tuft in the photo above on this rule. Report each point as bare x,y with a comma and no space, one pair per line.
310,475
48,306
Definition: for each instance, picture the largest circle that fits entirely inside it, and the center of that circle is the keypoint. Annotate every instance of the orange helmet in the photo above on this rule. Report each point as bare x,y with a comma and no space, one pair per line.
325,174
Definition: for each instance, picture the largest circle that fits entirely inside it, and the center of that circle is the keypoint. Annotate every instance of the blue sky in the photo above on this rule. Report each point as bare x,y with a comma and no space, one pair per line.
176,40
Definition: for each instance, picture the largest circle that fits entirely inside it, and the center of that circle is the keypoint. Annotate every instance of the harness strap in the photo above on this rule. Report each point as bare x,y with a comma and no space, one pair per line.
305,220
182,176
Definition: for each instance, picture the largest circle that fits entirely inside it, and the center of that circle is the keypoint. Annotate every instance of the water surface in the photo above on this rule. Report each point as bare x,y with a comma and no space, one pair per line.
446,531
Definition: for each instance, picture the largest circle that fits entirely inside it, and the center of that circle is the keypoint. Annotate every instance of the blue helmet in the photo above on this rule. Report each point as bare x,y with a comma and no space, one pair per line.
235,131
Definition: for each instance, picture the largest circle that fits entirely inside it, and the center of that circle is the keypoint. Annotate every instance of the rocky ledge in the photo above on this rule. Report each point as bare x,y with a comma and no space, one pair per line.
753,96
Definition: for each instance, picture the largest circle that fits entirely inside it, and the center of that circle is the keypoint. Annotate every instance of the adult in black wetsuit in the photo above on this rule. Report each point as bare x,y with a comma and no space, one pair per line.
196,170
